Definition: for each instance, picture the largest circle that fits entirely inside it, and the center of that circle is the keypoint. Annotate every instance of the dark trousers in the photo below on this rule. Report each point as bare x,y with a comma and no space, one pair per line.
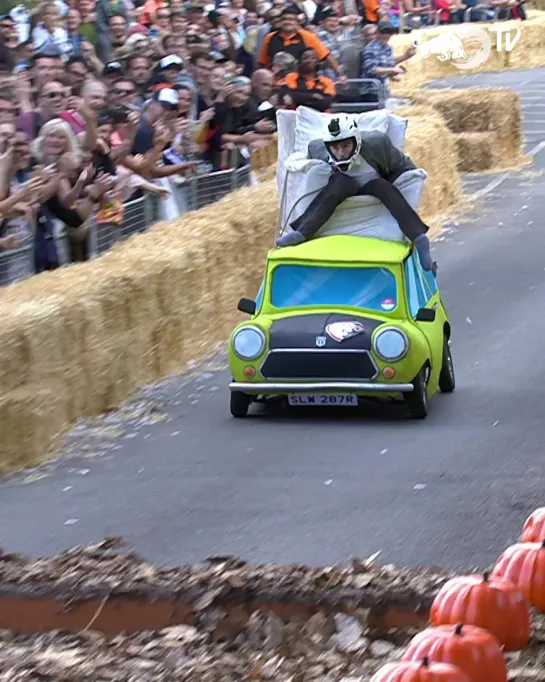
341,187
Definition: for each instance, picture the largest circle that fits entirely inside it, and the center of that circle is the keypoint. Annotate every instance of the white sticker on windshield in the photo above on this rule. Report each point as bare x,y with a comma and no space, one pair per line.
388,304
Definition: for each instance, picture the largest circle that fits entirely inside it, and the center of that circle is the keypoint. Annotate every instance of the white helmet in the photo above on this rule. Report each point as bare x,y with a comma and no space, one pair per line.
338,128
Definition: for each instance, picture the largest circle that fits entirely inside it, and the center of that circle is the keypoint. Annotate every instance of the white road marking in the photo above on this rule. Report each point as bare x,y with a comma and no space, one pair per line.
491,186
535,150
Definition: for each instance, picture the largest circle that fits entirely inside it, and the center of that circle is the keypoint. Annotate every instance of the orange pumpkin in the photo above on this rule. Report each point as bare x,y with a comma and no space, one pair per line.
472,649
423,671
524,565
534,527
489,603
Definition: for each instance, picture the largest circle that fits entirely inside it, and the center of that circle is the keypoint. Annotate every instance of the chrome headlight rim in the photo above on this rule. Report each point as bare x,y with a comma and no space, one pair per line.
259,332
398,331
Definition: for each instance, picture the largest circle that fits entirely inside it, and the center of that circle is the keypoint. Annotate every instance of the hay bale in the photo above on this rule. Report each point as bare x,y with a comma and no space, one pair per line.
31,421
263,157
475,151
431,146
530,50
486,110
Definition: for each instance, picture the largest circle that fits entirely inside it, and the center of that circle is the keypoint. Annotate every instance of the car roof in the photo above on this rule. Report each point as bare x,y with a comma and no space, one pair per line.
344,249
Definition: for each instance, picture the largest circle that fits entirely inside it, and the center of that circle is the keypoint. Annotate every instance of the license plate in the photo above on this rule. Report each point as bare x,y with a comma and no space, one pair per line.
325,400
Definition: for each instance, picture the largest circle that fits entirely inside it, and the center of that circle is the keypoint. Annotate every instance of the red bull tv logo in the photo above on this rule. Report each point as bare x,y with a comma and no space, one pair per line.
468,46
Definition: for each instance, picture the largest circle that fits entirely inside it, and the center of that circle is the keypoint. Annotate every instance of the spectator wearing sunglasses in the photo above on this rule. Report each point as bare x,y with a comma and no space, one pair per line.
51,101
124,92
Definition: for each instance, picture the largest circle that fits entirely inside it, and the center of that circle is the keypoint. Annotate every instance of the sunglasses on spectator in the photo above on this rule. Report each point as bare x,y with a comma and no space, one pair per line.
53,95
123,93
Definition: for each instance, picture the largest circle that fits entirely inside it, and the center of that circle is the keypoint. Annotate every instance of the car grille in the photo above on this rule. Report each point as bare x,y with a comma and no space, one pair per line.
319,364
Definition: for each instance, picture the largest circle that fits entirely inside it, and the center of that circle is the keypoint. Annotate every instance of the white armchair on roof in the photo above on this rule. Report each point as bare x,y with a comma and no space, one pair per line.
300,178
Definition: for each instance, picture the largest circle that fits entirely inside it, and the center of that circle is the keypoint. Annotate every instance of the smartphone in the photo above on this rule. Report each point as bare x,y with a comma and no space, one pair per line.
117,115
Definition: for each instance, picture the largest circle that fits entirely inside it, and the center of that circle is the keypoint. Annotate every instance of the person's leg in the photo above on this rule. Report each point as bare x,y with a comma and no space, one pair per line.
410,223
320,209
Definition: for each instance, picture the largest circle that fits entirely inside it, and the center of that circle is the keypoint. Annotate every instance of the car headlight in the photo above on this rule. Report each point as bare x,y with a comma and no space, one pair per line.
249,343
391,344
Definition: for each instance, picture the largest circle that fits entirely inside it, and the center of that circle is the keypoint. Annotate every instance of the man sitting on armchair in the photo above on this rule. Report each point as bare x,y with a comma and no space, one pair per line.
365,164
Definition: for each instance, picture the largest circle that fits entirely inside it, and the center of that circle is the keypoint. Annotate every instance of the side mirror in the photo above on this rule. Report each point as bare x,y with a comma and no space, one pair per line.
426,315
246,305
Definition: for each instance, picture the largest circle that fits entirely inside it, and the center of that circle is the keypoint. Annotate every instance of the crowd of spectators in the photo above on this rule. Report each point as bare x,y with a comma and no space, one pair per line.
101,100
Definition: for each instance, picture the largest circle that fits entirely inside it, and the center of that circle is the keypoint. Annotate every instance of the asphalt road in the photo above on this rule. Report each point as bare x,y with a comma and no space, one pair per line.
321,487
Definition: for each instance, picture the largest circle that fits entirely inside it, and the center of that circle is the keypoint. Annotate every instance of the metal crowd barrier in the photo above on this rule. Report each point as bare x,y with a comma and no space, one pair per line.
139,215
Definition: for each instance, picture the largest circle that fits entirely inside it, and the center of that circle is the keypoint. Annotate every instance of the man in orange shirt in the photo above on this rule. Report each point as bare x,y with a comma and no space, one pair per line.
294,40
305,87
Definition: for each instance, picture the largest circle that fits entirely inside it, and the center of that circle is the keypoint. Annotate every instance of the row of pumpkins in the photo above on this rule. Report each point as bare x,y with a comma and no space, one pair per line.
476,618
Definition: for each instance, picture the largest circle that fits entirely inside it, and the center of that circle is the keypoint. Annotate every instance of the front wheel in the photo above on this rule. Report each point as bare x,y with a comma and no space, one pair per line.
240,404
417,401
447,380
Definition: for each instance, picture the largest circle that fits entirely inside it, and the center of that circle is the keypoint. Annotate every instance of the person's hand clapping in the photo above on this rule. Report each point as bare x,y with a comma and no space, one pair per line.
102,185
207,115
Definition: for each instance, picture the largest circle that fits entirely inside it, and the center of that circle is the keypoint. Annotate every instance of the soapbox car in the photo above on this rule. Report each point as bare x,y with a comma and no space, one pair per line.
339,319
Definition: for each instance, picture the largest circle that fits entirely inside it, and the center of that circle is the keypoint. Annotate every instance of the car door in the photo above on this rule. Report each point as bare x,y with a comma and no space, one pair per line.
423,292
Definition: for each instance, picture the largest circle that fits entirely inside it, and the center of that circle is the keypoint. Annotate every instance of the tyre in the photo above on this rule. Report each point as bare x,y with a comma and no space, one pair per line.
447,380
240,404
417,401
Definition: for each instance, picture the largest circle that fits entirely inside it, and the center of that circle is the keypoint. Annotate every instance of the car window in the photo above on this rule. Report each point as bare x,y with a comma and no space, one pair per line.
430,280
259,297
303,285
418,291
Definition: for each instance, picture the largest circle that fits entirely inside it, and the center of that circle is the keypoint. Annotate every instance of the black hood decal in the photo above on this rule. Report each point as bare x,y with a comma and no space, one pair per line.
323,330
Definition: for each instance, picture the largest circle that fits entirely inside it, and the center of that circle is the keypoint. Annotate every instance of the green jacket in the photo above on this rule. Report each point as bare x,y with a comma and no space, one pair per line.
379,152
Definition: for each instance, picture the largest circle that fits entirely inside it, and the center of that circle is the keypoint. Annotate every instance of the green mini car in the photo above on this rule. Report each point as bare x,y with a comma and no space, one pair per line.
339,319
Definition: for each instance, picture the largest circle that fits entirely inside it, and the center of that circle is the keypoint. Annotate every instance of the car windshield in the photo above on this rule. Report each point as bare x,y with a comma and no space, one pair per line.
303,285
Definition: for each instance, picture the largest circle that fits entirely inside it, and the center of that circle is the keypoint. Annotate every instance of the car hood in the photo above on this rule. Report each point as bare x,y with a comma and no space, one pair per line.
323,330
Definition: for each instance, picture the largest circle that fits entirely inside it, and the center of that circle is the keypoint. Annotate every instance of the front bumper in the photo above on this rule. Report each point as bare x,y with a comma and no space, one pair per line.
314,386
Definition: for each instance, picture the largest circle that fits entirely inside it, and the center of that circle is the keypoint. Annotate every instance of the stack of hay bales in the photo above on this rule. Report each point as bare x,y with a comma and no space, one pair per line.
432,146
78,341
529,51
486,124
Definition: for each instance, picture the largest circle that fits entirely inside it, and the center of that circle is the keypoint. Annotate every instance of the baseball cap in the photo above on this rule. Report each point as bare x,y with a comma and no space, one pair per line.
167,96
112,67
290,10
386,27
329,12
170,60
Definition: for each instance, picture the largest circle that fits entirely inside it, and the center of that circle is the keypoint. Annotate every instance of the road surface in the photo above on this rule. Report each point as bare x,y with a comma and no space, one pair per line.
318,488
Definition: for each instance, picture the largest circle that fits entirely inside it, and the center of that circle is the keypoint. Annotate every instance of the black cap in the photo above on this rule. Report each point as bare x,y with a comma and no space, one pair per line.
290,10
329,12
386,27
112,67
